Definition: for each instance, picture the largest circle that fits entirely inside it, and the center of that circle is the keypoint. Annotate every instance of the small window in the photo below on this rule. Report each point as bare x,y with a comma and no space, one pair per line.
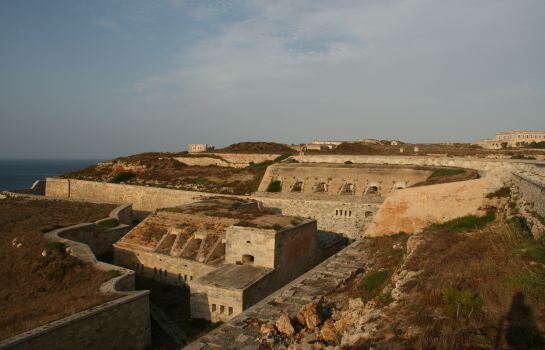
222,309
179,277
213,307
191,278
248,242
230,310
154,270
247,259
185,277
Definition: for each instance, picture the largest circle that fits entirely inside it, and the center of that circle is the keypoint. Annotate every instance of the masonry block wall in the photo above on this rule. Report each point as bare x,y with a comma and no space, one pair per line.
533,191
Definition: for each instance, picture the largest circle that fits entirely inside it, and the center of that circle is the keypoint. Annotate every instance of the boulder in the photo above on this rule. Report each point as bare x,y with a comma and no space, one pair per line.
283,324
267,328
328,332
308,315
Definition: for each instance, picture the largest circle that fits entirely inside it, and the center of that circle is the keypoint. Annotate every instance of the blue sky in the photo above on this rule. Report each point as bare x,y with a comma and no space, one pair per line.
98,79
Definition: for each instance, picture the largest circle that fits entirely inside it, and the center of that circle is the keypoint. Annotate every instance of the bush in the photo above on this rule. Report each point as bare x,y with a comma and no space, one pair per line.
503,192
108,223
55,246
348,162
461,304
275,186
374,280
464,223
522,156
447,172
122,177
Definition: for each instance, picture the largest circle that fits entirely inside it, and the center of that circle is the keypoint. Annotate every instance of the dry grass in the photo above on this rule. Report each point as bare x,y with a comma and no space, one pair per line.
35,289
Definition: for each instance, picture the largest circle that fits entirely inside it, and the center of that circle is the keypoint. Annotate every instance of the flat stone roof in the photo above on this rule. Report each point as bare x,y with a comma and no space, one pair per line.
234,276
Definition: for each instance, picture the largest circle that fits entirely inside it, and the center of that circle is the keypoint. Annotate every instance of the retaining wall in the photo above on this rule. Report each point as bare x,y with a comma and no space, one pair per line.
234,160
532,188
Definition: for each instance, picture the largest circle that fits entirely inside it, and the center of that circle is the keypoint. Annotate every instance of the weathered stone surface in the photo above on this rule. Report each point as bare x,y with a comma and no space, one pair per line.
308,315
267,328
284,325
328,332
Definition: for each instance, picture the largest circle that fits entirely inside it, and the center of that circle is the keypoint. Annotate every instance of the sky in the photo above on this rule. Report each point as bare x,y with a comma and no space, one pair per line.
106,78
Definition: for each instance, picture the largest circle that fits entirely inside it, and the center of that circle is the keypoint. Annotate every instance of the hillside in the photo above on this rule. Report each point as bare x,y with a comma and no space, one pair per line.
257,148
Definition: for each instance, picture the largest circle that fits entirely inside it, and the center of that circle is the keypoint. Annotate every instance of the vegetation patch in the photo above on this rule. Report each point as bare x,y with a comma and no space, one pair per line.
461,304
464,223
59,247
504,192
275,186
108,223
374,280
123,176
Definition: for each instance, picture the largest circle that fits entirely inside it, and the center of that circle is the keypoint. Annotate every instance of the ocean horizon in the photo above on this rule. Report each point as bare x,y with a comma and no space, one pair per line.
16,174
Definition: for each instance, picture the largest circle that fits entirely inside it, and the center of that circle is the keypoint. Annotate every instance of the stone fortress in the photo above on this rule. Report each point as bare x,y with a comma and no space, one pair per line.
239,255
230,252
515,138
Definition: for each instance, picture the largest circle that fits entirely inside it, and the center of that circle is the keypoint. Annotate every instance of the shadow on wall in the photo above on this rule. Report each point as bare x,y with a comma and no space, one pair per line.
521,331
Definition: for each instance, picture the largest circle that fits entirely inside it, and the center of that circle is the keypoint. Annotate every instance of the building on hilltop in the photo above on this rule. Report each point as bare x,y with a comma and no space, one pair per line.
199,147
515,138
230,252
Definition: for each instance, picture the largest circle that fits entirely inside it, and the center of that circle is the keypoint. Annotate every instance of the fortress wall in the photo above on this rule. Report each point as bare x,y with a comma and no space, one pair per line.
412,209
533,191
119,324
386,178
235,160
325,211
480,164
142,198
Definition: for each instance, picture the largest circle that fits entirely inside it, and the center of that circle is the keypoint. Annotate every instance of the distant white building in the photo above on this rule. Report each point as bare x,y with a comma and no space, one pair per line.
515,138
199,147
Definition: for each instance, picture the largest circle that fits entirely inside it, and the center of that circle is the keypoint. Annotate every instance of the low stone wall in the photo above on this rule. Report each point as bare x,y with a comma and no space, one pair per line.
411,209
532,188
123,323
234,160
143,198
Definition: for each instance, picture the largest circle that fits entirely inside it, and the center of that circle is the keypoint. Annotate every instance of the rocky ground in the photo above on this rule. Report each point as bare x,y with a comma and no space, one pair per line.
471,283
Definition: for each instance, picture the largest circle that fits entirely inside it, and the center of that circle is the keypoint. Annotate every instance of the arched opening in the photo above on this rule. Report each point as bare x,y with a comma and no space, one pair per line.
320,187
368,214
247,259
297,186
348,188
372,190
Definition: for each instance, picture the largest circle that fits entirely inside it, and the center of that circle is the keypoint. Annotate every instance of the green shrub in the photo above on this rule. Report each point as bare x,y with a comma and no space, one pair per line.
503,192
374,280
447,172
348,162
55,246
461,304
122,177
275,186
464,223
522,156
531,283
108,223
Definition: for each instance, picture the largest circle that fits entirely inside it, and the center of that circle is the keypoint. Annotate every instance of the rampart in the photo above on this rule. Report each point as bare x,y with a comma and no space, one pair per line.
143,198
532,188
235,160
123,323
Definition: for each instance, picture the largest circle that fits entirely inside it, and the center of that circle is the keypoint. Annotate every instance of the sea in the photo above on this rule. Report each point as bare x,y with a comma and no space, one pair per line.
16,174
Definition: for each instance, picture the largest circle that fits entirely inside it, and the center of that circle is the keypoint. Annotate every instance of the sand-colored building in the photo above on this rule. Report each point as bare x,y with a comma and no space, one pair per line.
515,138
199,147
230,252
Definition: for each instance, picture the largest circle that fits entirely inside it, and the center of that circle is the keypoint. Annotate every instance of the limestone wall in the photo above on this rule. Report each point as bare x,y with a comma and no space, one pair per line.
161,267
142,198
412,209
335,178
532,188
234,160
349,216
480,164
215,304
252,241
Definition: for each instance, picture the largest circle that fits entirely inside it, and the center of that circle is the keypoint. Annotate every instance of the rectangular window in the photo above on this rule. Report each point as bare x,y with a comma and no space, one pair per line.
213,307
222,309
230,310
191,278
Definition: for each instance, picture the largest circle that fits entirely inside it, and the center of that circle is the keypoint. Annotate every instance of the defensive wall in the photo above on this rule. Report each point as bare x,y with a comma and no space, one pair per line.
481,164
532,187
143,198
235,160
123,323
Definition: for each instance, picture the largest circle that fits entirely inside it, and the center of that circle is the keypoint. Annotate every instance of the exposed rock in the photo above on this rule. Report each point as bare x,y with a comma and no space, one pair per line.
414,242
44,252
19,245
328,332
283,324
14,242
354,303
267,328
308,315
